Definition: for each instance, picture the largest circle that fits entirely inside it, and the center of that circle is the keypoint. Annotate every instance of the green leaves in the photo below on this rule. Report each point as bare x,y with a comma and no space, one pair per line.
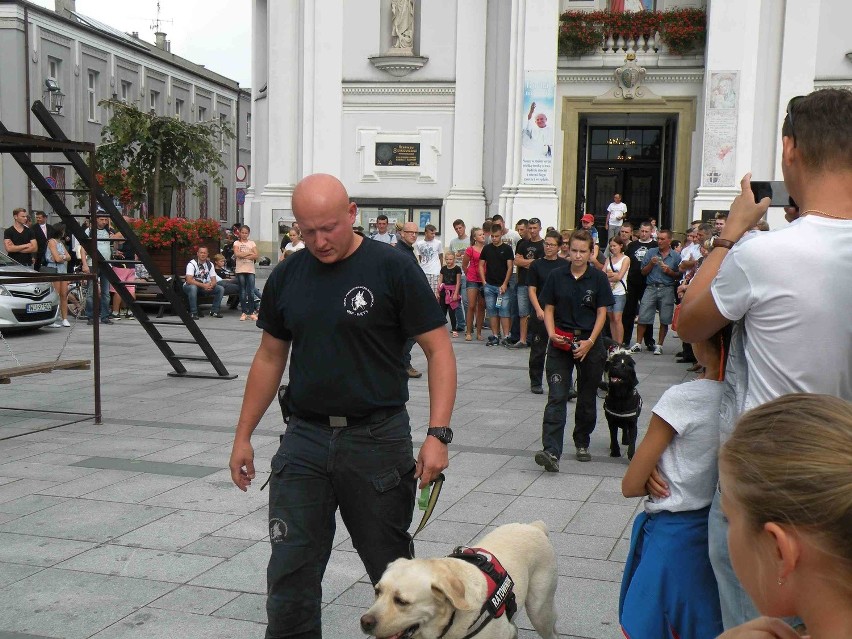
142,154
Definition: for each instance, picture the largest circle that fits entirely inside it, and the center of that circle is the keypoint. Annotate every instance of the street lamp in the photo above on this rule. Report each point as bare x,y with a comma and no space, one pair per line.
53,95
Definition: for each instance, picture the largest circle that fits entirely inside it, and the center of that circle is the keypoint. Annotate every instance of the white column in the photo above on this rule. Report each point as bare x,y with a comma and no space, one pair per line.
731,46
322,93
466,199
282,122
535,27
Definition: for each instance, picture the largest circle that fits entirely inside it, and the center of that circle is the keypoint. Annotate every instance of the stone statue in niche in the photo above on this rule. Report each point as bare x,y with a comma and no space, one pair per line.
403,26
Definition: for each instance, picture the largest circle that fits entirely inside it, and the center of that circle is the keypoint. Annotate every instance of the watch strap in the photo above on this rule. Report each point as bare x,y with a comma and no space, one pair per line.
718,241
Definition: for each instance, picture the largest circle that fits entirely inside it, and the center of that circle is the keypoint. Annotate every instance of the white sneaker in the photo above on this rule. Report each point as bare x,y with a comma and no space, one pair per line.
636,348
56,324
66,323
658,350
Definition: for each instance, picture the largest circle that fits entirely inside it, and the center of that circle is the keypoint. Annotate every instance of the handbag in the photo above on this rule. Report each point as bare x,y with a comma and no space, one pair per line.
568,344
675,317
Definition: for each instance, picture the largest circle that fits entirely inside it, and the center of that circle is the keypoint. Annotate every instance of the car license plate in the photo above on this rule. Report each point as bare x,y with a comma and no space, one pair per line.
39,308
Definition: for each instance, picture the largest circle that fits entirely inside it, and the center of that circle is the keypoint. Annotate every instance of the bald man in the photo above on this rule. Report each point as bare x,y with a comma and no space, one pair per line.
346,307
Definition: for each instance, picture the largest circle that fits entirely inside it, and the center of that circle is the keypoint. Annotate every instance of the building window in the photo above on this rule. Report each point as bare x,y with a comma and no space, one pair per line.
181,200
179,108
202,204
223,203
155,100
126,89
223,119
93,96
53,69
248,125
248,175
58,174
202,113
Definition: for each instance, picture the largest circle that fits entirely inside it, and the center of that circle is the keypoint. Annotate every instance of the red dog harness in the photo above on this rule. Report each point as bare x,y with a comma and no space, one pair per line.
500,597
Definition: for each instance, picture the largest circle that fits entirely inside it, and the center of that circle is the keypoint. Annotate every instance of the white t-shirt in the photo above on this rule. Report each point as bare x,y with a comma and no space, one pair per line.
298,246
691,252
788,289
200,272
617,213
689,464
386,238
428,254
617,287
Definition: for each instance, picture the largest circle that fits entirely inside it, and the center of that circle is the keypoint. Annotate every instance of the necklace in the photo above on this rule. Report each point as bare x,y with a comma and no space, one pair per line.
832,216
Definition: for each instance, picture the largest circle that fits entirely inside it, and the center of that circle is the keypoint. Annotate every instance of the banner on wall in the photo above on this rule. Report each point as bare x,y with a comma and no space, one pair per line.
720,129
537,134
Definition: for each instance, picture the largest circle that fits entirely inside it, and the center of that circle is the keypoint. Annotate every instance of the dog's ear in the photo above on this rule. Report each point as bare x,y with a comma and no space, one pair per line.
449,586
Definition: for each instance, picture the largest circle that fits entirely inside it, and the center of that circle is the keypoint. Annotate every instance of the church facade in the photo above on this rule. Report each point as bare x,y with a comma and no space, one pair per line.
433,111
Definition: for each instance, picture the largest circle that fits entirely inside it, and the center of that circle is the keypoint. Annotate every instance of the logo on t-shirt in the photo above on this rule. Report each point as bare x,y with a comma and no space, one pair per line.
358,301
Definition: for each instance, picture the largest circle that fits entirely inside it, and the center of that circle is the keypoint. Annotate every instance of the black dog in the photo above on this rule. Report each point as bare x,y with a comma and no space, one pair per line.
623,403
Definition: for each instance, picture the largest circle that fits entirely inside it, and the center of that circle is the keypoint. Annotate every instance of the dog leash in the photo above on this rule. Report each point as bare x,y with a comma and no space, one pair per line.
428,499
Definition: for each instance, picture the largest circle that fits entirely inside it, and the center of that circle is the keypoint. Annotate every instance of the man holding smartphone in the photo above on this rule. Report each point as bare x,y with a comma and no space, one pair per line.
791,331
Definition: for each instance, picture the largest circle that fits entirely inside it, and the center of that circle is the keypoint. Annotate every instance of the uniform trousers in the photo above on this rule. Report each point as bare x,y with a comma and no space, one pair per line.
367,471
537,337
559,370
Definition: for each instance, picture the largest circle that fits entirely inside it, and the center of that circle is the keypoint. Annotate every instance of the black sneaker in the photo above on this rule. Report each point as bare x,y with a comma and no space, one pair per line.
492,340
216,314
195,316
107,320
583,454
536,389
547,461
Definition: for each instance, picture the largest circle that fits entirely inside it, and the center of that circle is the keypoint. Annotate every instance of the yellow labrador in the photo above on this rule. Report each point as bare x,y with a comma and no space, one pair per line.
432,598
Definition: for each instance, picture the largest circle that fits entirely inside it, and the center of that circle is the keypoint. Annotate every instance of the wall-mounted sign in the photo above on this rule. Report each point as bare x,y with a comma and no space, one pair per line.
397,154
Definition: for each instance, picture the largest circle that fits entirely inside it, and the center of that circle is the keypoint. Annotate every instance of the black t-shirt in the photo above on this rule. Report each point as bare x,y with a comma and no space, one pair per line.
636,251
19,239
449,274
529,250
407,250
347,323
541,269
495,258
576,301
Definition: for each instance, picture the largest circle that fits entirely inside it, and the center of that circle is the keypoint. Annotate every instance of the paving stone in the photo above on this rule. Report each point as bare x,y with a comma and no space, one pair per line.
508,481
245,571
212,496
604,520
10,573
254,527
141,563
224,547
18,488
584,568
151,623
141,487
456,532
89,483
49,603
562,485
246,607
175,531
477,508
590,546
556,513
86,520
38,551
30,504
200,601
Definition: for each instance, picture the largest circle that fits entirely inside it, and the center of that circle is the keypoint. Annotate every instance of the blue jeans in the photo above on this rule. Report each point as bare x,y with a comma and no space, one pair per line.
491,294
461,311
191,293
246,282
103,285
368,472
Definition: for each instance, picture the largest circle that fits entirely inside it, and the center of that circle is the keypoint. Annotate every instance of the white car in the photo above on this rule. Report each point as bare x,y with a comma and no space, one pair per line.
30,305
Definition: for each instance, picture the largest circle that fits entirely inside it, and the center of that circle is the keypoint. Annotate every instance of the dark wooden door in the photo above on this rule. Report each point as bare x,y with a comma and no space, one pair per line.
641,193
603,182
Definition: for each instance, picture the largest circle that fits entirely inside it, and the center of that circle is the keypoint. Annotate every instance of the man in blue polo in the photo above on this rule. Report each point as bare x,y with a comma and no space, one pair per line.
660,268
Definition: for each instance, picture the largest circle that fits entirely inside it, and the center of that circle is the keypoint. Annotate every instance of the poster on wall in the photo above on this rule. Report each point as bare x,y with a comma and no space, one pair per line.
537,134
720,129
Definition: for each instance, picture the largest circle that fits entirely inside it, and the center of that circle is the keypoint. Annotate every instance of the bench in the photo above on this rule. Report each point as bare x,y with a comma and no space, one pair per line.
149,294
6,374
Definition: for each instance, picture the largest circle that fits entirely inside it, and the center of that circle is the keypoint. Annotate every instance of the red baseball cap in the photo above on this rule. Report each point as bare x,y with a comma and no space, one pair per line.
588,217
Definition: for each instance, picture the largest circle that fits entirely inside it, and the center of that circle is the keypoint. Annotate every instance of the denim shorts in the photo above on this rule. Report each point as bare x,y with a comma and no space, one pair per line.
523,300
476,285
491,294
620,302
657,297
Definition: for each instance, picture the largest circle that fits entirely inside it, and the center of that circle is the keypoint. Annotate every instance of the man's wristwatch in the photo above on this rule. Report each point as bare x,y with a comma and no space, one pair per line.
443,434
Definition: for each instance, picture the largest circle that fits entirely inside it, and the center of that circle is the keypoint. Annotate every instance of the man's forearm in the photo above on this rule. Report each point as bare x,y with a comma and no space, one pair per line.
442,386
262,383
534,299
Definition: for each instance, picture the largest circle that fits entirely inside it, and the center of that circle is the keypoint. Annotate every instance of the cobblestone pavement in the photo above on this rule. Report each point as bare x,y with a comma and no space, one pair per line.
133,529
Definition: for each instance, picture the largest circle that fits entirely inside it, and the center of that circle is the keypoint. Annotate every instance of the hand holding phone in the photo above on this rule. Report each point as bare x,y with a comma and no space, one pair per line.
775,191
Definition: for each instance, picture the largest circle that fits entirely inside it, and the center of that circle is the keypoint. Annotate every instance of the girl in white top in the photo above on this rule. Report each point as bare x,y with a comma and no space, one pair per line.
668,587
295,244
57,256
616,267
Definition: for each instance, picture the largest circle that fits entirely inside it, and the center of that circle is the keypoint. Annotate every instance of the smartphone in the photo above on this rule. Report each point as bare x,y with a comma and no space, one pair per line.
776,191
